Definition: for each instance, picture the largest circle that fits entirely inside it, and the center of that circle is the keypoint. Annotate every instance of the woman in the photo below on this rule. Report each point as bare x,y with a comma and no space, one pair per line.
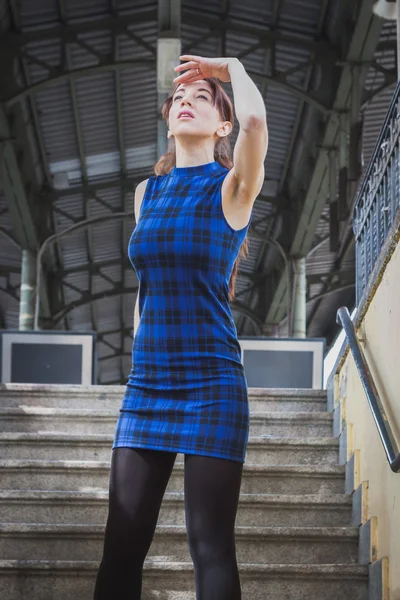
187,389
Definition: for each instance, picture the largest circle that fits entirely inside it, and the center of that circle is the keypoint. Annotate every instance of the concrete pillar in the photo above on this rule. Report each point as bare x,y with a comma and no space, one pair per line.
27,293
299,298
390,9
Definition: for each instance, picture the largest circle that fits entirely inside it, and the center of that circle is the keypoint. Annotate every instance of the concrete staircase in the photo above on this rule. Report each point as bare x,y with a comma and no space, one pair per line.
294,533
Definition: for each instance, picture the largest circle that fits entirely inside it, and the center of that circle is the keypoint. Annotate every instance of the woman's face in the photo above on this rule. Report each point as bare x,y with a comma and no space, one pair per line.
196,98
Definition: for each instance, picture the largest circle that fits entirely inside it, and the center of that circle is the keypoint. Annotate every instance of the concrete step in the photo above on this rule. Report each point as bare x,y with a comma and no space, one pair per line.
300,545
110,397
277,510
87,475
269,450
47,580
287,400
83,420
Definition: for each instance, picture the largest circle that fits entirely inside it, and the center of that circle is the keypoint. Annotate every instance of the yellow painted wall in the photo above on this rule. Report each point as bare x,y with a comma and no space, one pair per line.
380,328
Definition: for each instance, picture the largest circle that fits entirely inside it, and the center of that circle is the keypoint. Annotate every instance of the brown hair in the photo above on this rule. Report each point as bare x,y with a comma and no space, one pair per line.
222,154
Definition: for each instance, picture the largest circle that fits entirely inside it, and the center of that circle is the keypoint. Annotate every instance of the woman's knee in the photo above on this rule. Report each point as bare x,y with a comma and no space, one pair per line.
211,547
127,533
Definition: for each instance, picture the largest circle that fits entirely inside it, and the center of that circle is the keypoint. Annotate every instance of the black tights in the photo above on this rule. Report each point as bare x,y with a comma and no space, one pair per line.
138,479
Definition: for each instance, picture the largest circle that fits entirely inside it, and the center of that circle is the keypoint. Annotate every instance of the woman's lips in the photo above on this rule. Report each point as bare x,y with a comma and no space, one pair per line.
185,112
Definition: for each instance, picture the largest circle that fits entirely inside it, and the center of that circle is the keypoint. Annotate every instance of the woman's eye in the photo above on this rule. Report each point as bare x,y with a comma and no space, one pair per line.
199,96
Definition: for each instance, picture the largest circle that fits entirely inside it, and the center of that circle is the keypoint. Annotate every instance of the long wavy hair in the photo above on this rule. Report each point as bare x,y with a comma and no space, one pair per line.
222,154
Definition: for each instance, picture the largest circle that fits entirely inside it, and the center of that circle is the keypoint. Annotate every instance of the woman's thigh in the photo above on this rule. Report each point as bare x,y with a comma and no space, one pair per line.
138,479
212,488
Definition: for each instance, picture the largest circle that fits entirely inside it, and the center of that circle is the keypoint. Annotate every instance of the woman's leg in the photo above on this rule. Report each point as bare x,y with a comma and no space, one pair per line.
212,487
138,479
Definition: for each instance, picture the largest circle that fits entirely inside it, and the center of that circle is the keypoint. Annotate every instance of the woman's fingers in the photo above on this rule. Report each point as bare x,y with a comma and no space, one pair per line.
188,65
189,77
190,57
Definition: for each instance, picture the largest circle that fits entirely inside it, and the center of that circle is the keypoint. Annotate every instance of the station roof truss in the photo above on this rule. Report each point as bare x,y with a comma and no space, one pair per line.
80,128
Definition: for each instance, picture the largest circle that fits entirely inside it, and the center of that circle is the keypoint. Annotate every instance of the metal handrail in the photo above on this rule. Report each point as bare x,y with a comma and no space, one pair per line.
378,412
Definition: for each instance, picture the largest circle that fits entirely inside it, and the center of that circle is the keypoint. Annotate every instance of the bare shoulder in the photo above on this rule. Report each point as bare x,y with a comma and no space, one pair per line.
139,193
236,213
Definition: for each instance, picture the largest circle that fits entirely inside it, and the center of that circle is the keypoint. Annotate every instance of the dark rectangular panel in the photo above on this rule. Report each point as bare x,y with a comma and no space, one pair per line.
278,368
46,363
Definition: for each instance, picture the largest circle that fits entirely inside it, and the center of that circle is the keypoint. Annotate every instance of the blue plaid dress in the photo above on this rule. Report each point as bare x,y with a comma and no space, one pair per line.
187,390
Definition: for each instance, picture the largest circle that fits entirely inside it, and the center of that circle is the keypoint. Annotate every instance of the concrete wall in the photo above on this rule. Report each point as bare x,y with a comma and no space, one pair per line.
378,327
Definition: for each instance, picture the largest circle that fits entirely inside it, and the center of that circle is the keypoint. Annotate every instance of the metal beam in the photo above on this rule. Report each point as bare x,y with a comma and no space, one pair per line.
24,228
95,267
199,17
300,109
305,97
82,160
127,183
41,144
279,80
312,278
14,40
364,40
321,278
87,298
69,32
331,292
66,75
92,188
296,128
123,205
67,231
15,43
269,67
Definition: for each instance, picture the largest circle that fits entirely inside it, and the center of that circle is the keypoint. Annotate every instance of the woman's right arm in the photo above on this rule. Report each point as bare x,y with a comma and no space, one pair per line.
139,193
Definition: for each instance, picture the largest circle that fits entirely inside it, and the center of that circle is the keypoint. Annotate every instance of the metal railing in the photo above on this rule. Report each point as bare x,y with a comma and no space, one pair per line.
378,199
378,412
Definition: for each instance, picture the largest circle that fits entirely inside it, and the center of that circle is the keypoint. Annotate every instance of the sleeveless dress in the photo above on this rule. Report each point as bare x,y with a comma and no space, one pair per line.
187,390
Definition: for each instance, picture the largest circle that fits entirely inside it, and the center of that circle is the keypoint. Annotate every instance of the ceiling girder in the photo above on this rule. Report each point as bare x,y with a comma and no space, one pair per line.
41,145
85,189
59,75
70,32
81,152
269,69
19,202
296,128
123,200
65,75
362,47
117,25
218,22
